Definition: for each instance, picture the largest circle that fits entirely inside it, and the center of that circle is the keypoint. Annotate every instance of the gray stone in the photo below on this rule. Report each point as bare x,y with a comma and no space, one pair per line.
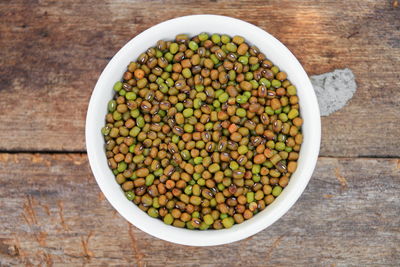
333,89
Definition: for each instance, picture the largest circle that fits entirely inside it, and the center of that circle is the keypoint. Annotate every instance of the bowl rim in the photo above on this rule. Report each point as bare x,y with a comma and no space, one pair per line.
210,237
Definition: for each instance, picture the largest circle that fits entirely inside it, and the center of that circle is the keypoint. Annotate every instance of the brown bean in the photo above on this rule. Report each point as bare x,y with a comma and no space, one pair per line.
275,104
259,159
127,186
242,49
119,157
247,214
292,166
143,172
245,85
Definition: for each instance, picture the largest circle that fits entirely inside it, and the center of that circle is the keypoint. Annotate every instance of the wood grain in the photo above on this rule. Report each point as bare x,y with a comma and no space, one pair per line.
53,213
52,53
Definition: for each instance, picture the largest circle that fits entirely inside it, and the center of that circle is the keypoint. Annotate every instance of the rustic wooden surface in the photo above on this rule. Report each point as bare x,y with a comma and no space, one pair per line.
52,212
55,217
52,53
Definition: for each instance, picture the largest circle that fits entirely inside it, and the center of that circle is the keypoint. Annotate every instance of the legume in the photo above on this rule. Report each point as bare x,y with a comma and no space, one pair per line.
203,132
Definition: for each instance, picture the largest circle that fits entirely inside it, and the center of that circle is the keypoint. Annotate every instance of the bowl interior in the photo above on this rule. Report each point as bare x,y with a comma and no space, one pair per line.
193,25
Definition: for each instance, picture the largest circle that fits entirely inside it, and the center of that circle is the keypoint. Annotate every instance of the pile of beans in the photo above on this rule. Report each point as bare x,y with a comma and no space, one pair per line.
203,132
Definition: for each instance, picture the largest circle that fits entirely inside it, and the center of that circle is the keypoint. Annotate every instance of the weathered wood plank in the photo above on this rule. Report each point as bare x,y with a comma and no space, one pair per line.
53,212
52,53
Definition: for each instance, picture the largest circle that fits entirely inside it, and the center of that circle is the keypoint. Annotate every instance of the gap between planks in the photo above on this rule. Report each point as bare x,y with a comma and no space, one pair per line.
85,152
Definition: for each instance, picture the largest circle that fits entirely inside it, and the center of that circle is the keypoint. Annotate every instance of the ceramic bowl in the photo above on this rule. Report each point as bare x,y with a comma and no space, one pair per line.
192,25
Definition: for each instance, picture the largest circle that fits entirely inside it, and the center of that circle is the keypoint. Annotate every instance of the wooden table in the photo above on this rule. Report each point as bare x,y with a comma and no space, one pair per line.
52,211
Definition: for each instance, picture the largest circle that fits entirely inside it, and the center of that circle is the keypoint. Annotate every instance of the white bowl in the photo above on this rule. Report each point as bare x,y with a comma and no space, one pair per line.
192,25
